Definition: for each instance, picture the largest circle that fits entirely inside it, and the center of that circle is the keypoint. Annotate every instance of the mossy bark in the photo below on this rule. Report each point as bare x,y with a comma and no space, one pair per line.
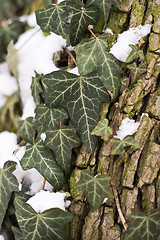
137,176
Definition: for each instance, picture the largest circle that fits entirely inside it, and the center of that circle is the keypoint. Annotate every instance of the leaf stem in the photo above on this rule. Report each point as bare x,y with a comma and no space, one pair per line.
92,33
34,136
71,55
44,182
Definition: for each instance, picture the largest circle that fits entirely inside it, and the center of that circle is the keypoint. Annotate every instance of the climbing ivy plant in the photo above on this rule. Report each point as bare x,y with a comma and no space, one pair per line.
68,113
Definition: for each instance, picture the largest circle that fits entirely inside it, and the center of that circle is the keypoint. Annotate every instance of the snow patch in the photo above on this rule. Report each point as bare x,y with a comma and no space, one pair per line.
121,48
74,71
43,137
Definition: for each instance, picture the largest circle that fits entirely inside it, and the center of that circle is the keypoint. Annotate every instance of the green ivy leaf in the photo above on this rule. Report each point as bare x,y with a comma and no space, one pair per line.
12,59
82,17
41,158
136,72
81,96
50,117
17,233
8,184
134,53
118,146
92,55
54,19
94,188
61,141
143,227
102,129
26,129
49,224
36,87
6,9
104,6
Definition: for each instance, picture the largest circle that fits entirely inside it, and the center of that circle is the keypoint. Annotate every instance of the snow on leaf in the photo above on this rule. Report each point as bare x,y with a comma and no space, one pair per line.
49,224
26,129
61,141
104,6
94,188
143,227
50,117
81,96
54,19
102,129
36,88
8,184
136,72
12,59
92,55
82,17
118,146
42,159
134,53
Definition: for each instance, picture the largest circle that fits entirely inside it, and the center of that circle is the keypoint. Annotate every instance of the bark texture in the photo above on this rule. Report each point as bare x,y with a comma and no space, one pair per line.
136,176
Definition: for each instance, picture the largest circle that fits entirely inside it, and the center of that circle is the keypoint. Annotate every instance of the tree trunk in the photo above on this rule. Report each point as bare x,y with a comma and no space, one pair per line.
137,178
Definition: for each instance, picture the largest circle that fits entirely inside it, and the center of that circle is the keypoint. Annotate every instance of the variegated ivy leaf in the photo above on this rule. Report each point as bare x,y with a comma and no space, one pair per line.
92,55
26,129
134,53
102,129
143,227
82,17
136,72
118,146
36,88
94,188
8,184
49,224
61,141
42,159
50,117
81,96
54,19
104,6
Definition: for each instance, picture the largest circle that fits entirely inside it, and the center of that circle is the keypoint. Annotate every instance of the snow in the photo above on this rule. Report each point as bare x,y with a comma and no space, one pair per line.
2,237
44,200
127,127
74,71
108,30
35,54
121,48
43,136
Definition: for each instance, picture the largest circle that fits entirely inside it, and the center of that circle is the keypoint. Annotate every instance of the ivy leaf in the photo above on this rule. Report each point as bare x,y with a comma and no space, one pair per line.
36,87
54,19
102,129
81,96
94,188
82,17
37,156
6,9
136,72
118,146
104,6
143,227
92,55
134,53
61,141
17,233
50,117
12,59
49,224
8,184
26,129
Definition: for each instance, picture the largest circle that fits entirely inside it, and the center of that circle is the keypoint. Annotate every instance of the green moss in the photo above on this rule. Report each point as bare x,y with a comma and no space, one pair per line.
74,178
137,14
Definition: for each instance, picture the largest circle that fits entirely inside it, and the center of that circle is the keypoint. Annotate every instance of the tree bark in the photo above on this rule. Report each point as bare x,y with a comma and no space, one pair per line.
137,176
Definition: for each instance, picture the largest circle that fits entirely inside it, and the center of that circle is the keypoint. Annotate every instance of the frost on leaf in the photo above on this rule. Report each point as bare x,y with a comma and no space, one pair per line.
61,141
143,227
94,188
102,129
104,6
8,184
42,159
81,96
49,224
92,56
118,146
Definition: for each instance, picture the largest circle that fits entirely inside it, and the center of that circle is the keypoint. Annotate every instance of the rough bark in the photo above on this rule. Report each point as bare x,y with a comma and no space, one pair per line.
137,177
